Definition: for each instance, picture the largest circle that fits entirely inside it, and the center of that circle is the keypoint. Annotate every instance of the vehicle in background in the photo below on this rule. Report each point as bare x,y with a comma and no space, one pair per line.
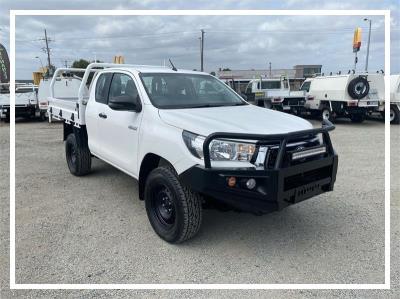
191,141
26,101
275,94
348,95
238,85
394,100
65,86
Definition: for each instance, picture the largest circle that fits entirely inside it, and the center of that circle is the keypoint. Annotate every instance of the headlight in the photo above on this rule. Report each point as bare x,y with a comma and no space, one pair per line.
194,143
220,149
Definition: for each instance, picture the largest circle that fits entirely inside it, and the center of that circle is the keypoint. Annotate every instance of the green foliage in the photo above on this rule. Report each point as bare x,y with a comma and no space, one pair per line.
81,64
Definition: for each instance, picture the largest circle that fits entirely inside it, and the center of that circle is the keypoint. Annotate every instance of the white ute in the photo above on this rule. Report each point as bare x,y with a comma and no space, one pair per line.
275,93
26,101
343,95
191,142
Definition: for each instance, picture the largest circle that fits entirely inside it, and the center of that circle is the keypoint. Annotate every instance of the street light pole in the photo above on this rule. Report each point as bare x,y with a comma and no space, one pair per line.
369,41
40,61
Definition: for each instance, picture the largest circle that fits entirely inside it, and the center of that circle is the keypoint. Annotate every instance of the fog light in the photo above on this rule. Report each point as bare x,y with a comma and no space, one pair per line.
231,181
251,183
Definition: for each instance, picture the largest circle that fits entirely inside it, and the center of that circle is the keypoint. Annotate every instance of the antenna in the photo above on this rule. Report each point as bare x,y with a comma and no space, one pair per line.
173,66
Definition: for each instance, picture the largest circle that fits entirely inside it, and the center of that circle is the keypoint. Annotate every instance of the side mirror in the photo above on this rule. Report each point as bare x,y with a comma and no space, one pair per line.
125,103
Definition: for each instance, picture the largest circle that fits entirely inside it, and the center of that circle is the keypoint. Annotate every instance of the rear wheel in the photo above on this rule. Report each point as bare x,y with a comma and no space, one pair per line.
394,115
78,157
357,118
174,211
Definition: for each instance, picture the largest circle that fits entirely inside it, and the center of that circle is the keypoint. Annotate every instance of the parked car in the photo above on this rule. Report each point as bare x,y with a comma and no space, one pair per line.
26,102
191,141
347,95
275,94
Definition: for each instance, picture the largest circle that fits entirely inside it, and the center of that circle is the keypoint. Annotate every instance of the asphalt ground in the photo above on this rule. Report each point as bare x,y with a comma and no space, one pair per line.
94,229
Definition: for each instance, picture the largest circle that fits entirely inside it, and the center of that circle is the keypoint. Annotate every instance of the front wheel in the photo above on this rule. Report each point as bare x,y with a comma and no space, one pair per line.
42,116
174,211
326,114
78,157
267,104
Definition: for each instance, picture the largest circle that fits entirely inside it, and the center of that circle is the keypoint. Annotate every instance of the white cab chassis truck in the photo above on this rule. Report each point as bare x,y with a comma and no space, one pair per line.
191,142
348,95
26,101
275,94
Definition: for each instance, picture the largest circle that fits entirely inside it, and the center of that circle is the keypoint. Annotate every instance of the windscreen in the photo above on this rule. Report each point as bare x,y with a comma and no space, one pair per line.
269,85
306,86
175,91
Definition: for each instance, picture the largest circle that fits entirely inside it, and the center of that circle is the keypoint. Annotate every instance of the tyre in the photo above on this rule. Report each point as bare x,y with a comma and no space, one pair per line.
78,157
267,104
174,211
357,118
358,88
42,116
326,114
394,115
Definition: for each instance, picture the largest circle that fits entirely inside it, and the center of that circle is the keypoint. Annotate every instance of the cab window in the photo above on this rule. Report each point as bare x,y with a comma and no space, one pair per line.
123,88
102,85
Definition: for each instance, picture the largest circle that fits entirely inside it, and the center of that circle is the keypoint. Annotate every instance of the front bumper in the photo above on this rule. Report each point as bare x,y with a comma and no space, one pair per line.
275,189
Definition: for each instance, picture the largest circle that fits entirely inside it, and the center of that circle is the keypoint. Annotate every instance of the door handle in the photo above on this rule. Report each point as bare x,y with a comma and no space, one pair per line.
132,128
102,115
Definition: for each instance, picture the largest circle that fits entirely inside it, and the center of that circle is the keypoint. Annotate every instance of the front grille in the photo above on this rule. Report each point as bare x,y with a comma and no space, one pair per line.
273,150
308,177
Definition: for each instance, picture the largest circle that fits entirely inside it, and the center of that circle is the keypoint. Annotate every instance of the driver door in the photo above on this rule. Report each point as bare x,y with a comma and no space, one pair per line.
119,129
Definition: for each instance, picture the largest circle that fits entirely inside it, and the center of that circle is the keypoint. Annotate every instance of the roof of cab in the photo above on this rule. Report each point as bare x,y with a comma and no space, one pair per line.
151,69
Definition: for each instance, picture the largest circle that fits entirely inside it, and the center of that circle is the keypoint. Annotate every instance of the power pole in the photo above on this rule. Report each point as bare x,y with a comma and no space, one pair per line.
46,49
270,70
202,51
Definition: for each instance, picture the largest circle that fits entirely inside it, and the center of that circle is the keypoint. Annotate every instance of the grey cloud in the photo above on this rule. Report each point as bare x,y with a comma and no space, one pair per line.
236,42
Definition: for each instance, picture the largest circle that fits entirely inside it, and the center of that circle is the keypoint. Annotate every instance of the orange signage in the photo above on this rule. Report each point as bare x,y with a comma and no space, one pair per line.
357,40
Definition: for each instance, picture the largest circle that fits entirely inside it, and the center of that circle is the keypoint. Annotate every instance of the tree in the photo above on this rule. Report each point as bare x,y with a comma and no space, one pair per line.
226,69
80,64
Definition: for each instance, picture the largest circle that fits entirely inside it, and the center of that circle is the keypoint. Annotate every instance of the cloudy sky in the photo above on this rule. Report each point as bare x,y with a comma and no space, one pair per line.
235,42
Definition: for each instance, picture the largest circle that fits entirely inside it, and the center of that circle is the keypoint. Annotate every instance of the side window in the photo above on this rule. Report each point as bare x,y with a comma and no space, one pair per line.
123,89
102,85
306,86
